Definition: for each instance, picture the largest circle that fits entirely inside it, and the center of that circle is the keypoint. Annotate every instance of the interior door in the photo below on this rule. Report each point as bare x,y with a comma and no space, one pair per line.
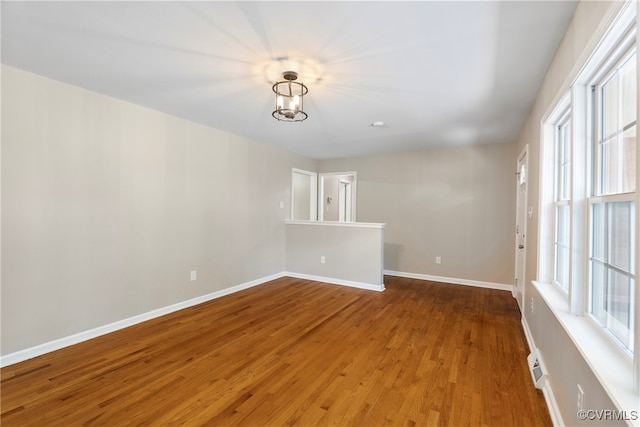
521,229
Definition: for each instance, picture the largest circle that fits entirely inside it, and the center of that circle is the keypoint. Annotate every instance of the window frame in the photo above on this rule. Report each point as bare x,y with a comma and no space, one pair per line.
560,200
621,54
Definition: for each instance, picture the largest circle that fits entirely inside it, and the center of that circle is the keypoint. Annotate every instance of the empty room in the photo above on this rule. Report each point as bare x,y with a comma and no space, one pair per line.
354,213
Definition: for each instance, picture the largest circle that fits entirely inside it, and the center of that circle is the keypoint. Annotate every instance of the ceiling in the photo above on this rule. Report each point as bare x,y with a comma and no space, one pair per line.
437,73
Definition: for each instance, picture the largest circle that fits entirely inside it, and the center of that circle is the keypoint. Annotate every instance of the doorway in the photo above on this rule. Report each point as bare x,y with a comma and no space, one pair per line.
337,196
344,201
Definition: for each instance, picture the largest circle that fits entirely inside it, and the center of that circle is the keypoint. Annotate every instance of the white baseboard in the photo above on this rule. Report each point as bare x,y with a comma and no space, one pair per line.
547,391
527,334
333,281
552,405
50,346
453,280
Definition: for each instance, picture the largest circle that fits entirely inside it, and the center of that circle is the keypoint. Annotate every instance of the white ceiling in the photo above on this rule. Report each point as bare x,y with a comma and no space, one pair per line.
436,73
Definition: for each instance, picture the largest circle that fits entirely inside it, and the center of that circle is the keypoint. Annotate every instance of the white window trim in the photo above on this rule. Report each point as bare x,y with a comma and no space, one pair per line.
557,204
559,122
546,265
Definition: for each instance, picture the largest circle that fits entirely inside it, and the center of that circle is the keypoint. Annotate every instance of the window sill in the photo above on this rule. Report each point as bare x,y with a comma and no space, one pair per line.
611,366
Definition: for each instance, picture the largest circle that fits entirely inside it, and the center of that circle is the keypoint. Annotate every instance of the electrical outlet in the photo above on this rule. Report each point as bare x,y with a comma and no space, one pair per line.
580,400
322,259
438,260
194,275
531,305
281,205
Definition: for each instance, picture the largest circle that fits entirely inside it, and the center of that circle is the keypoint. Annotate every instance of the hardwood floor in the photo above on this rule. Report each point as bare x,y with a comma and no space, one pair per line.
295,352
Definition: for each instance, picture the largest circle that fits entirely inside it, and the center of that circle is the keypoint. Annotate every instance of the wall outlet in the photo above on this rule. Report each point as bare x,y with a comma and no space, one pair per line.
531,304
580,399
322,259
194,275
438,260
281,205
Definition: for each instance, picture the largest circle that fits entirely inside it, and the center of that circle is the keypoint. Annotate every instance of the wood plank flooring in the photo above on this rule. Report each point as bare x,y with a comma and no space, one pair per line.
295,352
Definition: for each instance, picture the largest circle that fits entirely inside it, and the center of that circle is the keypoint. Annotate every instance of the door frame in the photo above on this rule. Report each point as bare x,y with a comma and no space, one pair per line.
519,284
343,205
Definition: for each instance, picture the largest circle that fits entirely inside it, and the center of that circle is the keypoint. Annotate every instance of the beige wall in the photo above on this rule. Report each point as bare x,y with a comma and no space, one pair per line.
567,368
456,203
302,189
107,207
352,253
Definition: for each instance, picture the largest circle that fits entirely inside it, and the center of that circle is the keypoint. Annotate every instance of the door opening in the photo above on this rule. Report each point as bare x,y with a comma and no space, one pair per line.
344,205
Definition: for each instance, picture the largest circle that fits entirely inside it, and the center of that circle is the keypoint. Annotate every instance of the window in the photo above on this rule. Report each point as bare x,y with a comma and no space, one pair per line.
587,259
612,202
562,197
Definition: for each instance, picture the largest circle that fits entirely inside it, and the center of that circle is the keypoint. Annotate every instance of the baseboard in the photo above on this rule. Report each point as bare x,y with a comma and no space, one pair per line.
552,405
527,334
333,281
453,280
50,346
547,391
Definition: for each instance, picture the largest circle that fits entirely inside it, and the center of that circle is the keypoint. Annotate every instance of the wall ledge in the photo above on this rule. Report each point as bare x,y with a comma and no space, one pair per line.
612,368
337,224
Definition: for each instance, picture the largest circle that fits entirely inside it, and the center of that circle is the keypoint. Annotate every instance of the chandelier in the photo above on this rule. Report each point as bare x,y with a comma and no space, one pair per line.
289,98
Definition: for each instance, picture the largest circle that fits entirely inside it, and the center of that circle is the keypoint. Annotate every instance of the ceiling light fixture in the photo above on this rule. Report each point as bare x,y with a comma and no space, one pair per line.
289,98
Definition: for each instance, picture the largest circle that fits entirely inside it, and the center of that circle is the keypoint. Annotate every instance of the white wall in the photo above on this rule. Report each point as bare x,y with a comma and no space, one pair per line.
107,207
456,203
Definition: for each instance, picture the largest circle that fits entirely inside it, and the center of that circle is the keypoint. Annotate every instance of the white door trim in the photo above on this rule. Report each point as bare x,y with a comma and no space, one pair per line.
521,216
